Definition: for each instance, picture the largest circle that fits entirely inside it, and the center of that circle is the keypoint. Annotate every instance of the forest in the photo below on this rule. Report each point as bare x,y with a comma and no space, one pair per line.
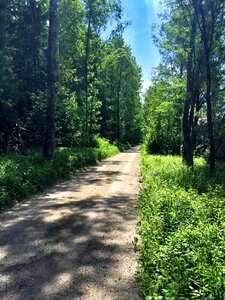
70,97
69,45
67,80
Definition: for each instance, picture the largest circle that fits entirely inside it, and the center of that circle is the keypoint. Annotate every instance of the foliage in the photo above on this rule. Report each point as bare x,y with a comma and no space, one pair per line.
122,113
182,228
85,95
22,175
162,111
190,39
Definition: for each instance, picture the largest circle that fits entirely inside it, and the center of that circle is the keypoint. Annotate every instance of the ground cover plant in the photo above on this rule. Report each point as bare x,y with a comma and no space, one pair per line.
182,225
24,174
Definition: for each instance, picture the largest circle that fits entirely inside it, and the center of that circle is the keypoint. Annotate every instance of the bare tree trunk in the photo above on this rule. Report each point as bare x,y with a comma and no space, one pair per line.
48,150
189,105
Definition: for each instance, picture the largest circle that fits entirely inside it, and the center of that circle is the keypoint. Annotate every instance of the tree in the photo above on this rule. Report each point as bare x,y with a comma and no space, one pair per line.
23,25
98,14
48,150
7,79
191,42
163,112
121,109
189,105
209,14
78,102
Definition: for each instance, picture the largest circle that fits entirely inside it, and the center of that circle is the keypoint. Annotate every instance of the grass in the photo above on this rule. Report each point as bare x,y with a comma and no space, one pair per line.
22,175
182,225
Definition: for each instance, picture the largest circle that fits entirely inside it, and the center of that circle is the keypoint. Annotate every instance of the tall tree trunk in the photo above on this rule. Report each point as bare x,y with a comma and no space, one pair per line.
103,122
188,114
88,37
196,117
48,150
118,103
209,115
92,108
207,45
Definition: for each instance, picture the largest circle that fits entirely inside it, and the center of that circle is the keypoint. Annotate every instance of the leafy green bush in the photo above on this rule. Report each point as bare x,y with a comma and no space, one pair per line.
182,224
22,175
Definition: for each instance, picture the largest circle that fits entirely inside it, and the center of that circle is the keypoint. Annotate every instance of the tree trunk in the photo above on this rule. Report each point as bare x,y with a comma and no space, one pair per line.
118,103
188,114
196,117
48,150
103,122
209,115
207,41
88,37
92,107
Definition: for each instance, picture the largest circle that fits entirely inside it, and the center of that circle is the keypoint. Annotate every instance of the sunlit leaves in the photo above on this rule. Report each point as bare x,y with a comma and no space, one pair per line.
182,230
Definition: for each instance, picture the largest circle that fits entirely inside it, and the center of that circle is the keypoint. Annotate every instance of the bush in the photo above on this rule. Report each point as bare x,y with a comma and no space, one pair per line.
22,175
182,225
157,143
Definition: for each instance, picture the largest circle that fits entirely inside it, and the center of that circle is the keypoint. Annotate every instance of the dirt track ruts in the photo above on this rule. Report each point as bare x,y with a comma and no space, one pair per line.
74,241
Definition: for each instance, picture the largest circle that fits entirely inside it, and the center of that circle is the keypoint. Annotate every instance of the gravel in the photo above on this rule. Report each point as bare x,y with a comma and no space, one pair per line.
74,241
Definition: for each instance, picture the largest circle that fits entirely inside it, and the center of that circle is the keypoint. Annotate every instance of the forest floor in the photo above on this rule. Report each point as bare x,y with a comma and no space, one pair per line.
74,241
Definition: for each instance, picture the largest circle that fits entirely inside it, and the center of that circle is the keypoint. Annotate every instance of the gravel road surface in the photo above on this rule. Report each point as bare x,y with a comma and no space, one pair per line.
74,241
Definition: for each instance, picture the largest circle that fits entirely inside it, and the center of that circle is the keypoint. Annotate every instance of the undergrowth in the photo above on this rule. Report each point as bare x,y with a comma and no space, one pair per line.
182,225
22,175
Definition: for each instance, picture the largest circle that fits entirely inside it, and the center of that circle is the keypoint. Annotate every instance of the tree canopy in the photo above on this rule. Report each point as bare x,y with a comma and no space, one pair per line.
185,104
97,83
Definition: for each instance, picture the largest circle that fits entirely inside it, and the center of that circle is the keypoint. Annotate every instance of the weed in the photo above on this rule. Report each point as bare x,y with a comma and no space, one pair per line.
182,224
22,175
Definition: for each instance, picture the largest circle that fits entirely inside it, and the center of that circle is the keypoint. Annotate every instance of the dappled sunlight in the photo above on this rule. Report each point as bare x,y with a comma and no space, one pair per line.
55,216
57,195
3,252
4,281
86,241
61,281
74,240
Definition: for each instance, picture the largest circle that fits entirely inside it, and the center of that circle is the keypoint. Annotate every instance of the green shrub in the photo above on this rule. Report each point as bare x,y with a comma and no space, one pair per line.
182,225
22,175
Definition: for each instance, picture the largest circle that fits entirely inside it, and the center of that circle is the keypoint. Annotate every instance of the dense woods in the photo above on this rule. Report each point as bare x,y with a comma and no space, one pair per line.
65,75
69,85
185,104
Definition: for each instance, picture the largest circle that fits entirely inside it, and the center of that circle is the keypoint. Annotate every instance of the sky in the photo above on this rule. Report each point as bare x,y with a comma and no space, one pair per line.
142,13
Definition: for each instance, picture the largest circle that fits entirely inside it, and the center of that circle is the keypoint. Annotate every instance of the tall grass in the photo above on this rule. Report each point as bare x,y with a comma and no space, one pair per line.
22,175
182,225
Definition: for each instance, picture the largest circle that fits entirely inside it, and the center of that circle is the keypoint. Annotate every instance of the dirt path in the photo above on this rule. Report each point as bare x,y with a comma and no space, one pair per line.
75,240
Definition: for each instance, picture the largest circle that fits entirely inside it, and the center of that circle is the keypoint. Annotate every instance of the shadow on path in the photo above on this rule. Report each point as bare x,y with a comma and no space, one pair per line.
56,249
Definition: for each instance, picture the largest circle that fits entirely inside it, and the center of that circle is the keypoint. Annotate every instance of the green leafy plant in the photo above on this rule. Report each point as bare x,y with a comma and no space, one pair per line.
22,175
182,225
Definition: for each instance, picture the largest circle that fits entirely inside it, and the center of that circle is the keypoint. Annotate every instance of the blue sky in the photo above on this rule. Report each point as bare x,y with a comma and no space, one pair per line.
142,13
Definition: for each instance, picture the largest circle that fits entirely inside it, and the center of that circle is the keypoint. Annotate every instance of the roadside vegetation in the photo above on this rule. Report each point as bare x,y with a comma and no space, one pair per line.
62,85
182,205
182,223
24,174
63,82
